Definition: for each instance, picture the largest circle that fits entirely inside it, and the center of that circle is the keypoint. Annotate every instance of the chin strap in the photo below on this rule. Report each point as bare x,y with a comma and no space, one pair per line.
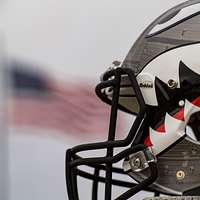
175,198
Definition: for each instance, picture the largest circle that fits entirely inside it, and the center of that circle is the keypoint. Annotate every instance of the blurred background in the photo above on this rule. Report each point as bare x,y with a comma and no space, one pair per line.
52,53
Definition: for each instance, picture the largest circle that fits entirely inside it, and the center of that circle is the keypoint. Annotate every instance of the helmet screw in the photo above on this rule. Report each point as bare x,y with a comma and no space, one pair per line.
172,84
181,103
136,162
180,175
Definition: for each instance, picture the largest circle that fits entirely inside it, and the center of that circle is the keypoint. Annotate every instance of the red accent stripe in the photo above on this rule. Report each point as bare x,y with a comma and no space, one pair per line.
148,142
196,102
161,128
179,115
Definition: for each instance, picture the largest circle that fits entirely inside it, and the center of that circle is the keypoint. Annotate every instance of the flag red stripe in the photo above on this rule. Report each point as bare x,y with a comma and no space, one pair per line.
75,109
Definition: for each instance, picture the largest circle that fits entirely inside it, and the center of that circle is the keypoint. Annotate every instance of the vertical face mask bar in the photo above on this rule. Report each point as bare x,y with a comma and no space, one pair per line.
111,134
95,184
69,176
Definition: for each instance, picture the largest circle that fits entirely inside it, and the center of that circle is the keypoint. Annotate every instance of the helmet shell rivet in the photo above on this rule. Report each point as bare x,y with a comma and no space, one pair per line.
172,84
136,162
180,175
181,103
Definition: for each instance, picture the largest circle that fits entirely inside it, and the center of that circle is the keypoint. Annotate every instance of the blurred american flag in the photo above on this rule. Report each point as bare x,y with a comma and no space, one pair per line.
36,100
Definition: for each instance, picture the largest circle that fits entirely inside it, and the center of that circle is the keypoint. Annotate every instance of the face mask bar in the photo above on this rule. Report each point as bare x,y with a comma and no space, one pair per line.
112,79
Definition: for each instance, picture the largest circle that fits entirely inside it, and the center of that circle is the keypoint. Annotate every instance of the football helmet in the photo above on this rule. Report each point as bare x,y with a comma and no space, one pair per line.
158,83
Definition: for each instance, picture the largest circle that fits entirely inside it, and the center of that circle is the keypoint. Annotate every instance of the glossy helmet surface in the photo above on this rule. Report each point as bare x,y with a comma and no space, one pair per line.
159,83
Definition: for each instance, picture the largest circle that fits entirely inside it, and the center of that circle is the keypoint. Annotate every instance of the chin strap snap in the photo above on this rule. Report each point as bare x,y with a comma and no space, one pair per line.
139,161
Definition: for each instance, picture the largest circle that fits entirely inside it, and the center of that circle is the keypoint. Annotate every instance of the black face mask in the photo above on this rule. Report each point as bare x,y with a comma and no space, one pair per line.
73,161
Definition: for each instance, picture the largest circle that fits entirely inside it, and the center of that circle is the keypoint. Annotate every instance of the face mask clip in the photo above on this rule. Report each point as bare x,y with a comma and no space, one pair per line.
139,161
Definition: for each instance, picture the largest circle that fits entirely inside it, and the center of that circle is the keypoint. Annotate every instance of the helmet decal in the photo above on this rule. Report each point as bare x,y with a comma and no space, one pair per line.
172,129
187,75
169,71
